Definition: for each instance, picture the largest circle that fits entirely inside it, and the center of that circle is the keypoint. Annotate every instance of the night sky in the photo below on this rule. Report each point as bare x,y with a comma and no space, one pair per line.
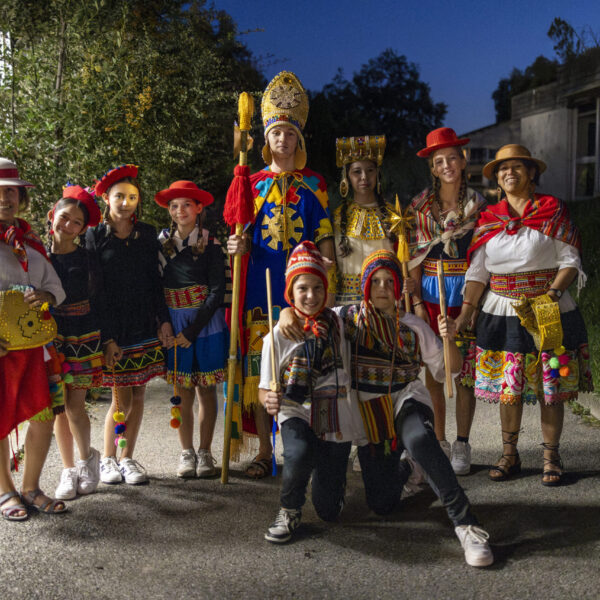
462,48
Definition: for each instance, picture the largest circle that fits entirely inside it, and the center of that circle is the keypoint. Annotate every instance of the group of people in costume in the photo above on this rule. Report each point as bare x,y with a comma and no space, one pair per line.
342,365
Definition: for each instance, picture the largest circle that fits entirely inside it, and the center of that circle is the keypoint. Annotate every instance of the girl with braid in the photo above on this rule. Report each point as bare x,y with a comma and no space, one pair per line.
193,277
445,215
360,224
133,314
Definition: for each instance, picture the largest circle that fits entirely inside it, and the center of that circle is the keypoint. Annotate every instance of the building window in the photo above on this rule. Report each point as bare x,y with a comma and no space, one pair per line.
586,151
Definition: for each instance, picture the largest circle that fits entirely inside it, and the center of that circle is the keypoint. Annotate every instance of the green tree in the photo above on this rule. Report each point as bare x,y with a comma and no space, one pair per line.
90,85
540,72
385,96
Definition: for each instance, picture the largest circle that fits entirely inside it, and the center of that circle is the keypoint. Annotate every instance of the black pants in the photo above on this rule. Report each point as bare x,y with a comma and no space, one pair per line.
304,454
384,475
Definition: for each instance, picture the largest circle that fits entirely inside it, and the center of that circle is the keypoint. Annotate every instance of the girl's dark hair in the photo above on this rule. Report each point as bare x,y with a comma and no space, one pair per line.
344,245
62,203
133,181
528,164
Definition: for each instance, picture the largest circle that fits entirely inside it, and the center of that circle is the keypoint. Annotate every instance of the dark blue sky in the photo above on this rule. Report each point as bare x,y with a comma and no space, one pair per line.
462,48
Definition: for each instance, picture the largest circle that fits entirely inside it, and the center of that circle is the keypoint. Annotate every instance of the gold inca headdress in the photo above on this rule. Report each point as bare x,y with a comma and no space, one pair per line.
365,147
285,102
351,149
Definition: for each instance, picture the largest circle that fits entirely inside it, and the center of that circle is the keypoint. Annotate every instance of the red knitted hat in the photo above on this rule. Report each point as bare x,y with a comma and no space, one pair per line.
380,259
304,259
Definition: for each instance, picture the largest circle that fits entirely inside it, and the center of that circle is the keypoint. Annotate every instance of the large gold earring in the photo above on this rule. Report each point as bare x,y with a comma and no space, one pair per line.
344,188
266,154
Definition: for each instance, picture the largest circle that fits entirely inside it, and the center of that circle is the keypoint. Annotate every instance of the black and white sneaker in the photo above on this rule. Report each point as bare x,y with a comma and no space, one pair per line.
282,529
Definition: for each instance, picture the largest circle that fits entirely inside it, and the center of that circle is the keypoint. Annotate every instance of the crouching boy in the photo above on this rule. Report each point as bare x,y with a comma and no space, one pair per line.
312,405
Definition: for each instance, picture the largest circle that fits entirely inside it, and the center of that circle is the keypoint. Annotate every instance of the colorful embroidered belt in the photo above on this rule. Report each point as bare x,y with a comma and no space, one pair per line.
76,309
451,267
189,297
349,284
528,284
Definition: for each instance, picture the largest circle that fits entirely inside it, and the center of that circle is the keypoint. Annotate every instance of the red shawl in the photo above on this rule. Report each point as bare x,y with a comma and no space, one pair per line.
18,236
545,214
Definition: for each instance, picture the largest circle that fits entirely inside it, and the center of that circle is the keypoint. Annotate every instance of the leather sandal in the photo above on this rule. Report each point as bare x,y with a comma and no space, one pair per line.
498,472
45,507
9,512
552,462
259,468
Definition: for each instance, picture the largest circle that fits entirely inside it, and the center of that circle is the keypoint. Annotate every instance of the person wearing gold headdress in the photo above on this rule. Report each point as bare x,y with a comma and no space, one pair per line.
291,206
360,222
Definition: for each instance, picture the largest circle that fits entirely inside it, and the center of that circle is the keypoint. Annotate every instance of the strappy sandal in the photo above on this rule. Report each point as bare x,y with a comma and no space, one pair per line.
509,438
552,462
47,507
259,468
8,512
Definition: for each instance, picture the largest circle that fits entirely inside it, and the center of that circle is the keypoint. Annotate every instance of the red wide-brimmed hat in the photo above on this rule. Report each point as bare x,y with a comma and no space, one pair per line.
85,196
444,137
113,176
183,189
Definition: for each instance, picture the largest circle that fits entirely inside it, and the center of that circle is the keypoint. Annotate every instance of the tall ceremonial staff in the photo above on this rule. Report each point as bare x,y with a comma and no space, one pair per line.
400,221
238,212
444,313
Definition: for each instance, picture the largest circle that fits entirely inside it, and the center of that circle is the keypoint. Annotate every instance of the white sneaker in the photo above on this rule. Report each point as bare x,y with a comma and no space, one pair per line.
187,463
286,522
88,473
67,486
461,457
206,464
474,541
133,473
109,470
447,450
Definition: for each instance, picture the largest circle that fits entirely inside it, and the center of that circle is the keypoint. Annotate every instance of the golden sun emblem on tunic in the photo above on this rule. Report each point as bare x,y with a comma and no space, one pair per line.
281,226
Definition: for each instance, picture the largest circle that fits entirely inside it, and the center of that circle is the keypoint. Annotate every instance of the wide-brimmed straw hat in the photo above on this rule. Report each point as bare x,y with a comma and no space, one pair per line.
511,152
183,189
9,174
444,137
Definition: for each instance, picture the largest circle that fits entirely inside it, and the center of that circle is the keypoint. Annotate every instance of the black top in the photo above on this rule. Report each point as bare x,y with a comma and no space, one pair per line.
184,269
73,270
131,302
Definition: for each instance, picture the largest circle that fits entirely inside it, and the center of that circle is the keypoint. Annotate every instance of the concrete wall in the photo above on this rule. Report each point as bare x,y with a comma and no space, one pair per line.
548,135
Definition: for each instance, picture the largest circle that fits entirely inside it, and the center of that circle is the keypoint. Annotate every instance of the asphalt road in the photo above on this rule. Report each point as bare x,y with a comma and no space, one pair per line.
201,539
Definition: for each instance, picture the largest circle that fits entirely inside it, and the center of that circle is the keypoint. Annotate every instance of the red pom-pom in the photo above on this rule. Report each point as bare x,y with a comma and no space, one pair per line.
394,444
306,325
66,367
175,423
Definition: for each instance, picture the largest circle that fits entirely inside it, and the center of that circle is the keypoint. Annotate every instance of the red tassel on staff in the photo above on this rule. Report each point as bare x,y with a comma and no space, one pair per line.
239,203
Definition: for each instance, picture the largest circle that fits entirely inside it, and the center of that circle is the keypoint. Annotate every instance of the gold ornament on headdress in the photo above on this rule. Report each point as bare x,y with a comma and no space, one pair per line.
351,149
285,102
400,221
366,147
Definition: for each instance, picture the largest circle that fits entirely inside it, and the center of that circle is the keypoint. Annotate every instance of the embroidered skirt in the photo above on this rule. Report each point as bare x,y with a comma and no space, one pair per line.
140,363
507,365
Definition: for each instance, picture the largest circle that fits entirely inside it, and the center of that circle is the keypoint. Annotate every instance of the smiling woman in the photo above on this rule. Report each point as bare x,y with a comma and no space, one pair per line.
26,276
526,249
